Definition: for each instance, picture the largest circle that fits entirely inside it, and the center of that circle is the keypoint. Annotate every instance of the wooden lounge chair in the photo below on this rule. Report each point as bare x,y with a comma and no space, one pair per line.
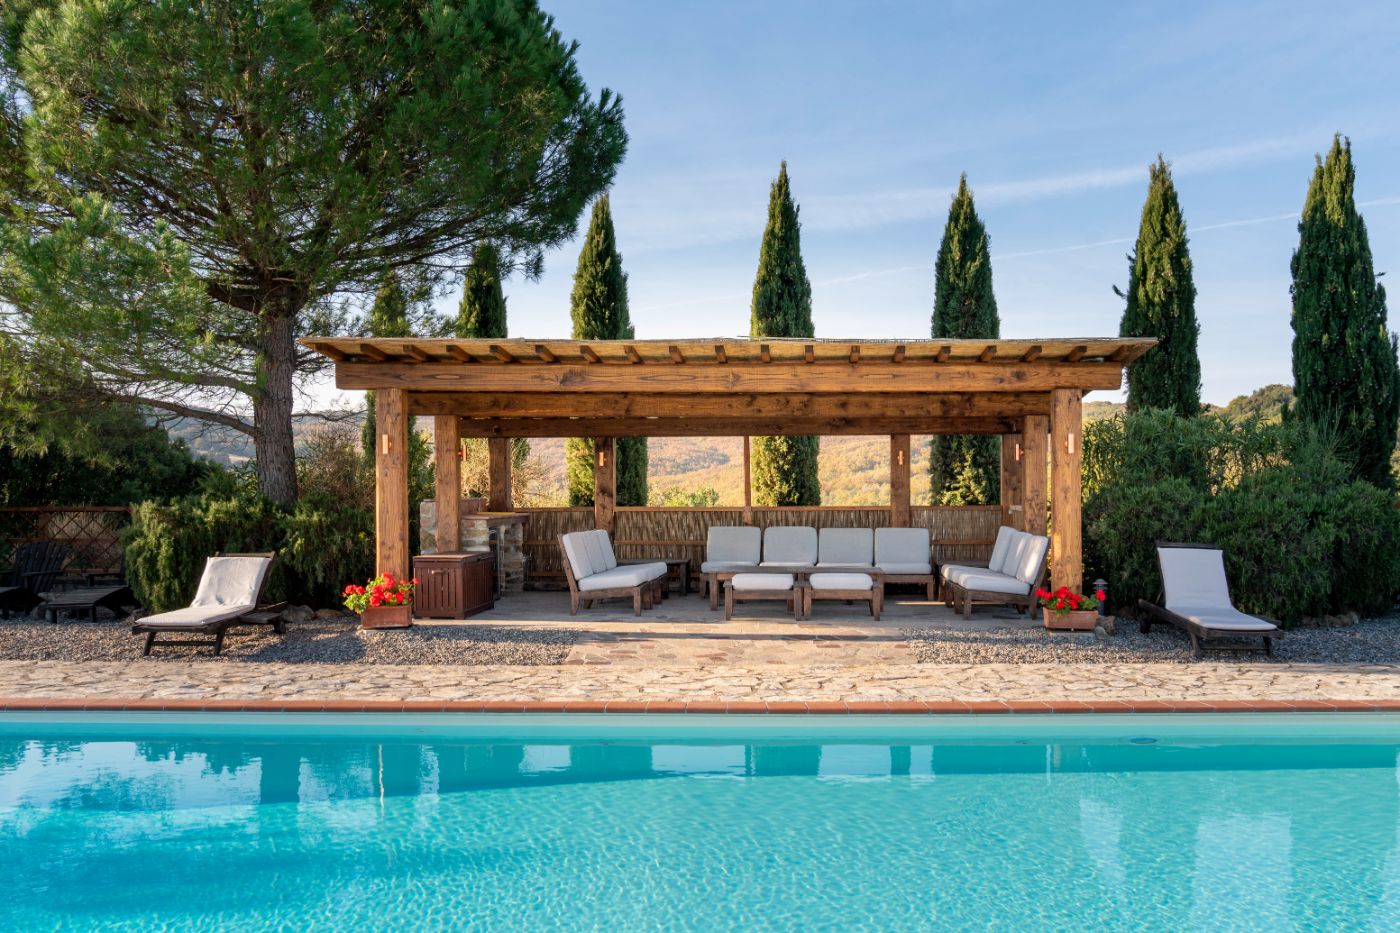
593,572
1012,582
227,597
729,549
1196,599
36,569
903,556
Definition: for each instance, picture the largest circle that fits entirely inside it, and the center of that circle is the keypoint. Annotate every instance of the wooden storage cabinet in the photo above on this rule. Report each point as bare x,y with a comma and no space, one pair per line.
453,586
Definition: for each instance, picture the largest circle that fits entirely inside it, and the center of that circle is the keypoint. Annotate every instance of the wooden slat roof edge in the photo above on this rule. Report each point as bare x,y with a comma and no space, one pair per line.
708,352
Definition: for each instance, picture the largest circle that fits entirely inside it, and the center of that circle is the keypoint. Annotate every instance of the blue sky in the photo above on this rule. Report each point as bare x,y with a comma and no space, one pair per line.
1053,110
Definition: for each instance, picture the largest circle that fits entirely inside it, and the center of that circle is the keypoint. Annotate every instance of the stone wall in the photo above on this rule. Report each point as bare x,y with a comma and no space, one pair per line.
475,535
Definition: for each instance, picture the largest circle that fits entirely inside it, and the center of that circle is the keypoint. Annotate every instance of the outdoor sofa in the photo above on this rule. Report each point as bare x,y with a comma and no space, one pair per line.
593,572
227,596
728,549
902,556
1196,599
1011,577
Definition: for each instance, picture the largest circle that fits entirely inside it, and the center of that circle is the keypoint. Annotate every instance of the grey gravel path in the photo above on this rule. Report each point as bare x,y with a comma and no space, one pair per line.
1372,641
321,641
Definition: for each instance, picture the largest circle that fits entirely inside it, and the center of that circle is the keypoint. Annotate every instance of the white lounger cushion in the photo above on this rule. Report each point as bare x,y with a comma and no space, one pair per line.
228,588
994,583
762,582
1193,579
794,546
733,544
842,581
846,547
901,546
897,569
619,578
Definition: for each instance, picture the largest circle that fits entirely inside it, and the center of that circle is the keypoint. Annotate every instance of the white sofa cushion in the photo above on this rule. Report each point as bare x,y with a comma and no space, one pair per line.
994,583
846,547
723,566
1032,553
1011,560
576,550
600,549
790,545
1006,535
619,578
910,569
762,582
733,544
954,573
901,546
841,581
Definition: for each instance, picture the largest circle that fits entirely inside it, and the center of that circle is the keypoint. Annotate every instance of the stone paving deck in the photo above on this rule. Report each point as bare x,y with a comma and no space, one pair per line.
684,658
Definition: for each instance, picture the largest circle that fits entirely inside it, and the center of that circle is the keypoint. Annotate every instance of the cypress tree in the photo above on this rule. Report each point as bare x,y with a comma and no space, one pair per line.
1344,356
482,313
388,317
964,469
599,310
784,468
1162,303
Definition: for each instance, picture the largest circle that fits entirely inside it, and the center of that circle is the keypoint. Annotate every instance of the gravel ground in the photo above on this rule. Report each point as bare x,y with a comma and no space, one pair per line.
1372,641
320,641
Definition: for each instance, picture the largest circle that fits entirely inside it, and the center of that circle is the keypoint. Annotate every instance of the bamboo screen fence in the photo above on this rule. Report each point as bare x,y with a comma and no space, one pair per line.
957,532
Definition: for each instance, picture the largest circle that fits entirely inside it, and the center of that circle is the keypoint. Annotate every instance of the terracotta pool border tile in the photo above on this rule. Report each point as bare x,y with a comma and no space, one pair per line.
743,707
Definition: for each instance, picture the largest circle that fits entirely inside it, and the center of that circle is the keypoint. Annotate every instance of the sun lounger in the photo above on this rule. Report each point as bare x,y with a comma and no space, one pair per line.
728,549
902,556
227,596
36,569
1196,599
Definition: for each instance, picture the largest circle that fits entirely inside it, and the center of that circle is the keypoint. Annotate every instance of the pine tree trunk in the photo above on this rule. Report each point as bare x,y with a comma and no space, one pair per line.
272,408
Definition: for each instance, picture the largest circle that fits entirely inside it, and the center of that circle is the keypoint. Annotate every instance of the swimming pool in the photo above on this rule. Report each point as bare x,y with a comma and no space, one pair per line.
763,823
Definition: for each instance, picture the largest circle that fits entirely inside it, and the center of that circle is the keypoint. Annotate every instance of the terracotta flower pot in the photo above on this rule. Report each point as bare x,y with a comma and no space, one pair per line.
1076,620
387,617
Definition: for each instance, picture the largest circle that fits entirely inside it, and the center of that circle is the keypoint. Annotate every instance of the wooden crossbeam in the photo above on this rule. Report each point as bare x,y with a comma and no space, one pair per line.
587,353
1031,355
676,355
546,354
502,354
457,353
418,353
1119,355
899,354
809,354
943,352
632,353
720,356
373,352
790,405
987,355
1076,354
330,351
728,427
764,353
855,354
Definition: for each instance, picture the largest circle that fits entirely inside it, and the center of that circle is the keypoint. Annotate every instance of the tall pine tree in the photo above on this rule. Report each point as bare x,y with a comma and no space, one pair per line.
388,317
965,469
482,316
784,468
1162,303
1344,356
599,309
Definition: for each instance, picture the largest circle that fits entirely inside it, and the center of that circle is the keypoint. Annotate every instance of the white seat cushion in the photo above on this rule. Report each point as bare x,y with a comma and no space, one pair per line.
733,544
994,583
846,547
954,573
842,581
196,615
762,582
618,578
654,569
1225,619
901,546
722,566
793,545
911,569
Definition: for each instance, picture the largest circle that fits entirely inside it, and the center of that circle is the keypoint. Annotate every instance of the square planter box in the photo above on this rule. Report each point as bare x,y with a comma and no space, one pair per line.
1079,620
387,617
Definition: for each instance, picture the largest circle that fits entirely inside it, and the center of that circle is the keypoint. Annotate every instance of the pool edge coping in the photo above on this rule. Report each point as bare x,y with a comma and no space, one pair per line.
749,707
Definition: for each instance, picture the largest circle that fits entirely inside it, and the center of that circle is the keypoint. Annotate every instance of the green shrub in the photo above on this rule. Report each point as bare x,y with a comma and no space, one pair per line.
327,544
1123,525
1365,569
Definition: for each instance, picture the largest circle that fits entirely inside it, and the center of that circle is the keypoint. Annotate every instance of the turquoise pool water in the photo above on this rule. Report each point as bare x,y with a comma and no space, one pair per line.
1080,823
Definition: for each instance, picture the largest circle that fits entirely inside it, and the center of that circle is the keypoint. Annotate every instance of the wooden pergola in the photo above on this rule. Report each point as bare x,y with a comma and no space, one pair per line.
1027,391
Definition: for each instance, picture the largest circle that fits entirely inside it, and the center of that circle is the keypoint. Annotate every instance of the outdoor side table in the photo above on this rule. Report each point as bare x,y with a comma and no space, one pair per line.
89,599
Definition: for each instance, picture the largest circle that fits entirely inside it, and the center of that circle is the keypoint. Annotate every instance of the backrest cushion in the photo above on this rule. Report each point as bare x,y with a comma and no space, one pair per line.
576,549
1011,560
854,546
790,544
901,546
1005,536
1194,576
603,546
231,581
1032,553
734,544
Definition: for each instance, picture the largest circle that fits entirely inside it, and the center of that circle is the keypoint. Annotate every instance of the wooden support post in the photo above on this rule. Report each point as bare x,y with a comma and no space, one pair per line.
604,483
391,545
1066,543
899,480
447,484
499,498
748,481
1035,435
1013,504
